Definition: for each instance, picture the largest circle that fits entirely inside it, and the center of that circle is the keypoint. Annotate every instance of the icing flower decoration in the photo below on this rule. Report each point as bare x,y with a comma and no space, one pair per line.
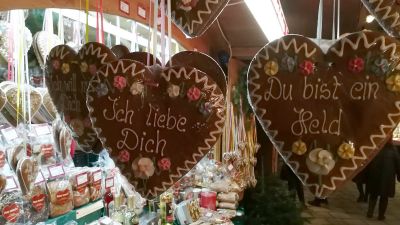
87,122
124,156
101,90
56,64
143,168
65,68
173,90
77,126
356,65
187,5
119,82
164,164
346,151
193,93
84,67
136,88
288,63
306,67
92,69
206,108
380,66
271,68
299,147
320,161
393,82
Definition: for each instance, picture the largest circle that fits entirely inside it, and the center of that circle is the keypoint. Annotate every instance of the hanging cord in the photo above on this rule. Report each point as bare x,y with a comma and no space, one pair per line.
150,30
162,36
320,19
87,22
333,20
338,20
169,14
155,22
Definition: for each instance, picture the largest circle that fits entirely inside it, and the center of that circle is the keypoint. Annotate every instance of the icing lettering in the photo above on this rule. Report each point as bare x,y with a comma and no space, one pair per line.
277,90
133,142
364,90
307,123
169,122
320,90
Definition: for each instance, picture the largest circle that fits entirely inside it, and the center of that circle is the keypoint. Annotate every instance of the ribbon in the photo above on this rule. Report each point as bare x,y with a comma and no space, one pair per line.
320,19
169,30
154,39
87,22
162,8
99,22
150,32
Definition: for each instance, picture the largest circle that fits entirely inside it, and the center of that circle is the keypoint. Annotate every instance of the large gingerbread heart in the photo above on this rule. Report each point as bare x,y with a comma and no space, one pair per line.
194,17
386,13
155,130
328,115
67,77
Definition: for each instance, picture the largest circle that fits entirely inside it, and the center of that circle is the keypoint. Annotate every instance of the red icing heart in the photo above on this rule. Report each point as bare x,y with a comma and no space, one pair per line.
38,202
314,120
67,76
153,122
2,159
386,13
11,212
63,197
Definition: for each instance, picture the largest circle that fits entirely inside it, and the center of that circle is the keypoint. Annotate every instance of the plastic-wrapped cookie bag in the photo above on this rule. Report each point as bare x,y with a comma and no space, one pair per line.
11,203
79,179
95,183
59,191
41,141
33,188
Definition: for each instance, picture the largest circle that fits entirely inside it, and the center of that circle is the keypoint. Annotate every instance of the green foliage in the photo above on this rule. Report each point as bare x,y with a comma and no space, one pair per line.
270,203
240,92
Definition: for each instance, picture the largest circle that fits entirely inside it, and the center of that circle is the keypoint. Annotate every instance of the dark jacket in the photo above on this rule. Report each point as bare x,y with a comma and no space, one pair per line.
382,172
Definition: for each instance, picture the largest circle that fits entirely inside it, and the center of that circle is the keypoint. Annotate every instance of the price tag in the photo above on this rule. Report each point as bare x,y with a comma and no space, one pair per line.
110,182
40,178
124,7
11,184
56,171
9,134
42,129
96,175
141,11
82,179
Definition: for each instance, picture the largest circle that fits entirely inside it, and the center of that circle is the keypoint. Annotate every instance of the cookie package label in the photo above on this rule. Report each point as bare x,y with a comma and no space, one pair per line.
56,171
11,184
38,202
63,196
11,212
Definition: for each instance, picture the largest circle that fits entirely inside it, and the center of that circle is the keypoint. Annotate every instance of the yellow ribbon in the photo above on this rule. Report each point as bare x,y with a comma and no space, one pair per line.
87,22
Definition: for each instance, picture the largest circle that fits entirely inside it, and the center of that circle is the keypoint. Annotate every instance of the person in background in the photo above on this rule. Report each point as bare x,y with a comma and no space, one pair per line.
361,181
382,173
294,183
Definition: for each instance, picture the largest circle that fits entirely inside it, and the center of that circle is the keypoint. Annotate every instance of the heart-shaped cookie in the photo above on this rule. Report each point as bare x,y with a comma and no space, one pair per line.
3,183
327,115
201,62
27,171
43,42
47,111
194,17
157,130
386,13
120,50
67,77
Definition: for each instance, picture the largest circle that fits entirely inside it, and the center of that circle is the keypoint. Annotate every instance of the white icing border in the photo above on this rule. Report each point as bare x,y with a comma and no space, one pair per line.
189,27
386,9
255,99
177,72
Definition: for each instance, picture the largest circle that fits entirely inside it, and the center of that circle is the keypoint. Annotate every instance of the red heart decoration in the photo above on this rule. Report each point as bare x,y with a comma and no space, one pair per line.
62,197
2,159
143,122
11,212
386,13
38,202
194,17
67,76
327,115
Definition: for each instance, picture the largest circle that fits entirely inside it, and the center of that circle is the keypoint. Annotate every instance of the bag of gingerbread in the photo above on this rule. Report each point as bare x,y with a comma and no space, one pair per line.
79,179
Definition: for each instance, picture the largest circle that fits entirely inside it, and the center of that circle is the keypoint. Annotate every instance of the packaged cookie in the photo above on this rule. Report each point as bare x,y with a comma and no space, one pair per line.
66,143
41,141
59,191
11,203
79,180
95,183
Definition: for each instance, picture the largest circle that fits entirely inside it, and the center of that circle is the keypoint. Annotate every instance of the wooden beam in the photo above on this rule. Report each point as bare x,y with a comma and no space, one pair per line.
245,53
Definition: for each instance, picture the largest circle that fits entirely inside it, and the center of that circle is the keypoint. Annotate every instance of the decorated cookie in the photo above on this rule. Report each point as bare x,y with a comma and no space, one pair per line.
194,17
120,50
149,129
201,62
67,77
47,111
27,171
327,114
386,13
43,42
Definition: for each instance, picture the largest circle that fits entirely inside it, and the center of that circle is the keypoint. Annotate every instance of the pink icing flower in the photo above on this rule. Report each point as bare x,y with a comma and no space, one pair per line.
164,164
307,67
119,82
92,69
87,122
193,93
56,64
356,65
124,156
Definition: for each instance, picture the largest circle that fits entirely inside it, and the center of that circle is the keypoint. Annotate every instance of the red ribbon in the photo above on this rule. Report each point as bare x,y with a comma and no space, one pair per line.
99,13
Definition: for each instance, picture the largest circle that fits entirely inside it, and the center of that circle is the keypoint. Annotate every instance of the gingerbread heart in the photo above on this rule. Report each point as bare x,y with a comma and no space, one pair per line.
67,77
202,62
27,171
327,115
386,13
157,130
194,17
120,50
